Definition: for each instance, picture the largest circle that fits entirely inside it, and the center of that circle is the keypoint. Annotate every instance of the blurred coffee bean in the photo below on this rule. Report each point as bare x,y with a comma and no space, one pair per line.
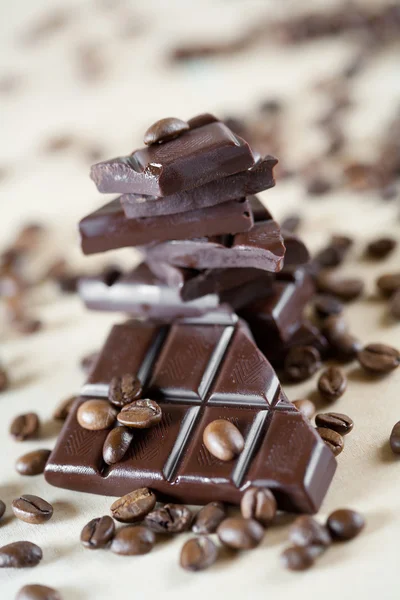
32,463
305,406
345,524
208,518
259,504
198,553
133,540
98,533
301,363
24,427
239,533
19,555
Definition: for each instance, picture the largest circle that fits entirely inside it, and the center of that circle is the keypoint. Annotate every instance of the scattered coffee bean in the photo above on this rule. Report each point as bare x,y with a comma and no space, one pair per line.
394,306
329,257
32,463
24,427
96,415
389,283
381,247
379,359
345,524
259,504
37,592
297,558
98,533
32,509
63,409
133,540
332,383
343,242
124,390
116,444
4,381
171,518
326,305
302,362
27,326
336,421
344,288
140,414
345,347
88,362
306,531
332,439
208,518
305,406
2,508
223,439
239,533
133,506
395,438
19,555
318,185
165,130
198,554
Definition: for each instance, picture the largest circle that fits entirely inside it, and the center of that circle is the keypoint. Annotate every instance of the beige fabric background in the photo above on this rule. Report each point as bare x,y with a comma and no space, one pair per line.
139,88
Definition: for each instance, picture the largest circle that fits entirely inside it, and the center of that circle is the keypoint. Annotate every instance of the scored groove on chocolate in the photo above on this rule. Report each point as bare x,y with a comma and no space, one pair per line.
181,442
250,445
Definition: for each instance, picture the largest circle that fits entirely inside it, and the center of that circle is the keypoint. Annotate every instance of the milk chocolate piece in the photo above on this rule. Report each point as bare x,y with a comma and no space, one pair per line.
195,158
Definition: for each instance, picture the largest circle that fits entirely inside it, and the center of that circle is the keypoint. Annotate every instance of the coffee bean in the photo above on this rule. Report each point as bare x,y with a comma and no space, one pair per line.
381,247
326,305
96,415
379,359
198,554
208,518
133,540
258,504
140,414
32,463
133,506
124,390
116,444
2,508
345,347
332,439
394,306
88,361
389,283
334,326
395,438
239,533
343,242
4,381
344,288
332,383
165,130
336,421
98,533
24,427
345,524
37,592
306,531
291,223
223,439
305,406
302,362
318,185
19,555
329,257
297,558
171,518
32,509
27,326
63,409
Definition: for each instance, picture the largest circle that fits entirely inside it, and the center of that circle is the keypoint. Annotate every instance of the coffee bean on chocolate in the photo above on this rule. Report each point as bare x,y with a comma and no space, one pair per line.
32,463
4,381
395,438
344,288
98,533
302,362
239,533
140,414
305,406
165,130
306,531
259,504
24,427
19,555
297,558
116,444
133,506
394,306
96,415
171,518
208,518
326,305
389,283
35,591
63,409
32,509
379,359
133,540
332,383
345,524
336,421
2,508
88,361
381,247
332,439
223,439
198,554
124,390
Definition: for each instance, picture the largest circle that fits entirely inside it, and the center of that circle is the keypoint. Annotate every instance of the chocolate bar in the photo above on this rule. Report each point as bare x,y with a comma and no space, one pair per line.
108,228
197,373
259,177
198,156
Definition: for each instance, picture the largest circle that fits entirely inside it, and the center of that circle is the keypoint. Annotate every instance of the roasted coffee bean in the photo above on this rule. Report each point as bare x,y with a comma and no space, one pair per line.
345,524
395,438
302,362
389,283
259,504
329,257
124,390
27,326
336,421
32,463
98,533
88,361
37,592
379,359
208,518
394,306
24,427
334,326
344,288
345,347
171,518
62,410
2,508
239,533
165,130
223,439
318,185
332,439
381,247
116,444
198,554
325,306
332,383
4,381
297,558
133,506
344,242
32,509
96,415
133,540
306,531
140,414
19,555
305,406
